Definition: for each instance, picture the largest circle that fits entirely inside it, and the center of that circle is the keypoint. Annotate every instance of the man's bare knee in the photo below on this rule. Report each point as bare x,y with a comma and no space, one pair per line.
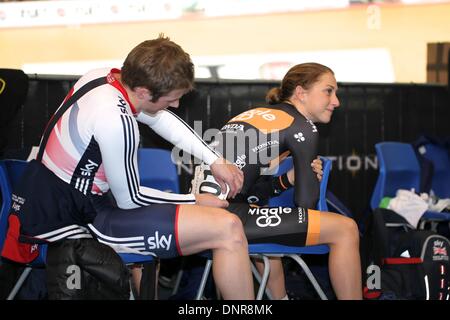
232,231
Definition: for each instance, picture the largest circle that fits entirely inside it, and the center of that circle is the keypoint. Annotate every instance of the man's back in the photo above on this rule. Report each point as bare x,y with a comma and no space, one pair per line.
73,152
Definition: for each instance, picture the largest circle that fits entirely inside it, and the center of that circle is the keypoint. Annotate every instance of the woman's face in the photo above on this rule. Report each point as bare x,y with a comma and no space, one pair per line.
320,100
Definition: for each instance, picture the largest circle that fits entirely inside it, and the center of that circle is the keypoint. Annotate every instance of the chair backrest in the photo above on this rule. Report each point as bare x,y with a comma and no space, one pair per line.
10,173
287,197
326,167
398,169
439,156
157,169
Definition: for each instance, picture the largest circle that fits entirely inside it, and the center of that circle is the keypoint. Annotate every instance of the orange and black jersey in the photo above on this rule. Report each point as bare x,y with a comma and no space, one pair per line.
257,138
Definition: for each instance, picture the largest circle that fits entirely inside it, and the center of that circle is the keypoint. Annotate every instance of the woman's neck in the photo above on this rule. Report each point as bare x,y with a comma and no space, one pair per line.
299,107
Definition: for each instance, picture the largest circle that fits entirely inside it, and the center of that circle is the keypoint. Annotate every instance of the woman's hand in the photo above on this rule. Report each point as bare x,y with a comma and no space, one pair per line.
317,168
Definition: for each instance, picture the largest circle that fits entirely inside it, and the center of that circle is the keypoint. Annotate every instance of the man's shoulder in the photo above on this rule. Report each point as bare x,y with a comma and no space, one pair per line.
105,98
95,73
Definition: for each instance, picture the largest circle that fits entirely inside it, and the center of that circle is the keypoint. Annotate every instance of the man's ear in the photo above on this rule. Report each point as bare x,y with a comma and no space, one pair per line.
143,93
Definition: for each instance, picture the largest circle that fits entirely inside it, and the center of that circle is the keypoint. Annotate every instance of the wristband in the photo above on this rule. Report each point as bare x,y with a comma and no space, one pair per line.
280,184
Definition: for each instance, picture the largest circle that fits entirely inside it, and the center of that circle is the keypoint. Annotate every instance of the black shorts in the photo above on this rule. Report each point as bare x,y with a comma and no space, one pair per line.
280,225
145,230
47,208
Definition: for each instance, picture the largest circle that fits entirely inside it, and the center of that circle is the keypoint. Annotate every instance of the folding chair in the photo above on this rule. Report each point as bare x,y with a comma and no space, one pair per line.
266,250
400,169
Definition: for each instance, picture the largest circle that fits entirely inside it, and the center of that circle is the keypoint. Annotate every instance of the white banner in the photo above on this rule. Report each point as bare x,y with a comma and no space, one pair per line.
66,12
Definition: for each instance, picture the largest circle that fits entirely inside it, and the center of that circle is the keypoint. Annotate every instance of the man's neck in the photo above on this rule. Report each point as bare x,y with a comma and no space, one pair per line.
130,92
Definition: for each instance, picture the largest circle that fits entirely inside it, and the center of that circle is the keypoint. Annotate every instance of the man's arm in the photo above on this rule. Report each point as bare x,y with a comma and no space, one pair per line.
227,173
170,127
117,138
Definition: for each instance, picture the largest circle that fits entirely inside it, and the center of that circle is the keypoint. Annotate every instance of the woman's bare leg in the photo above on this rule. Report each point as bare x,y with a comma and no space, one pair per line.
136,277
202,228
276,282
341,234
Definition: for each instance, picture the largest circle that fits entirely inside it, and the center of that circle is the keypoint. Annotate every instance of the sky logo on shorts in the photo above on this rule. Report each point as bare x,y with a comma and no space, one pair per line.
159,242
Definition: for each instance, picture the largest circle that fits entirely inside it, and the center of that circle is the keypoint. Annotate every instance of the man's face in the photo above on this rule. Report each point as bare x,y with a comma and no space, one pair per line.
171,99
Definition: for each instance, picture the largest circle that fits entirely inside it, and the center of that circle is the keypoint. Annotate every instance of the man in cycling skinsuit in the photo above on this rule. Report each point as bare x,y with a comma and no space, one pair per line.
90,147
253,140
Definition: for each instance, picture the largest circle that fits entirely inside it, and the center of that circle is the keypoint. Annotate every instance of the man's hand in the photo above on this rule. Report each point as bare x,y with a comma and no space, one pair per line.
210,200
317,168
227,173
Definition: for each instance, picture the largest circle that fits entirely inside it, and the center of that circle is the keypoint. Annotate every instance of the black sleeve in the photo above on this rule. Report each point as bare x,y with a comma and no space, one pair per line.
302,141
261,191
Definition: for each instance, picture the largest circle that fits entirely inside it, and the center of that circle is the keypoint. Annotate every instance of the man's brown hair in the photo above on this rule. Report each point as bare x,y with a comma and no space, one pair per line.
160,65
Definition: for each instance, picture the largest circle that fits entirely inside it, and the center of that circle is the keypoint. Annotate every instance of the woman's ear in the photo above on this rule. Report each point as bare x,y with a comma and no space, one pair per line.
300,93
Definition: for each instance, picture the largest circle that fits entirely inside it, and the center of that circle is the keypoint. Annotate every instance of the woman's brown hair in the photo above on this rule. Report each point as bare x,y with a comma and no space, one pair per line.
304,75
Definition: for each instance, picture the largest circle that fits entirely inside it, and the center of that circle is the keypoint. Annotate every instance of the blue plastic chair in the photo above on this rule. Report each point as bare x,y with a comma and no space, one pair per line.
266,250
158,170
439,156
399,169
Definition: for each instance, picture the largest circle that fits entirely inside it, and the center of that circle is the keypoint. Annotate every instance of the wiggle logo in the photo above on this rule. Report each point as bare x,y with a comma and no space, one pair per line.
2,85
269,217
265,120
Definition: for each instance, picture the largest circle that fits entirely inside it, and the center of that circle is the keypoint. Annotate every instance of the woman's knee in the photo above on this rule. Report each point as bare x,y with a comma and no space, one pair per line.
349,229
339,229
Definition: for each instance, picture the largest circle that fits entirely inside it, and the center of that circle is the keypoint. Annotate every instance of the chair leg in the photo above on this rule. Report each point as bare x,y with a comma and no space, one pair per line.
131,291
19,283
205,275
309,274
258,278
176,286
262,280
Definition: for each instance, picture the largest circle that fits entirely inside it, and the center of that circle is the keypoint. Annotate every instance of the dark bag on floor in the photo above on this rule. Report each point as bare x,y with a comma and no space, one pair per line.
412,264
83,269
